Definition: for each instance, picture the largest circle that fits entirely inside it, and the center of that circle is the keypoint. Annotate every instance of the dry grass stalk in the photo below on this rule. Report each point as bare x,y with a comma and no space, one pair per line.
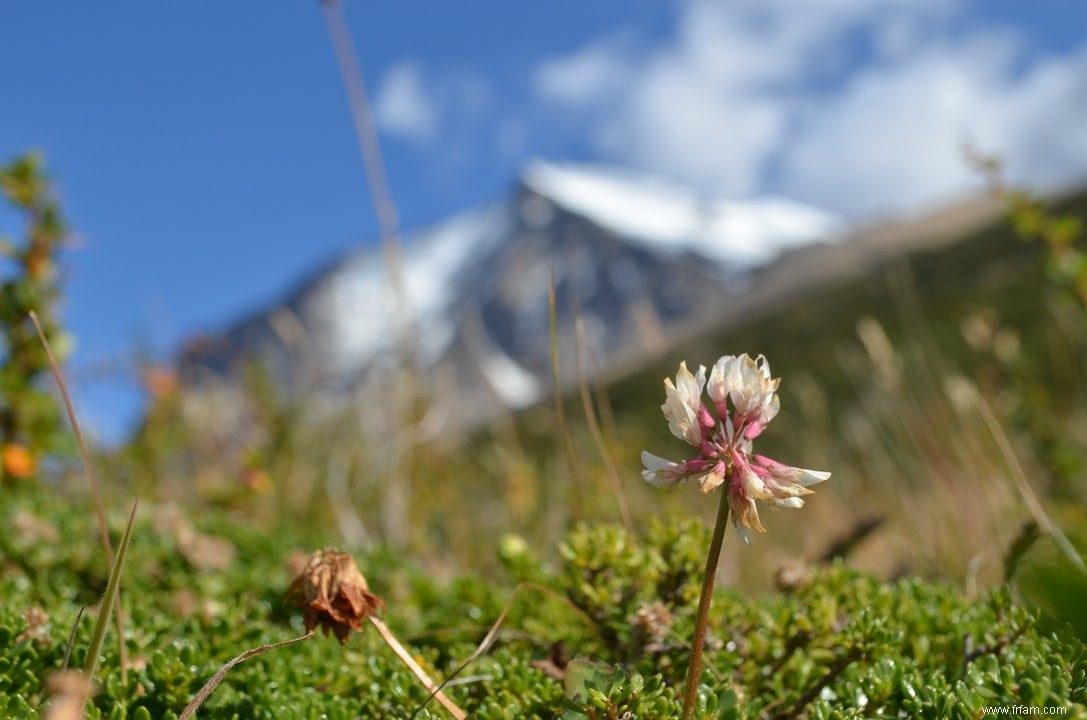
88,467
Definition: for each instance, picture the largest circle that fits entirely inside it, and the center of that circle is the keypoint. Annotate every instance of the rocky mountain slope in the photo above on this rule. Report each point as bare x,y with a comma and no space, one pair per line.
638,263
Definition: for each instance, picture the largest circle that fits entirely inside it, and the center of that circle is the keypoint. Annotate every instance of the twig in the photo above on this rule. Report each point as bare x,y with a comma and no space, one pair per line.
71,638
415,668
210,685
1030,499
1026,538
811,693
971,653
845,544
489,638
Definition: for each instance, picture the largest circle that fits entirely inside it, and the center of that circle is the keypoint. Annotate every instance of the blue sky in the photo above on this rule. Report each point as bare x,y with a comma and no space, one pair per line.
205,154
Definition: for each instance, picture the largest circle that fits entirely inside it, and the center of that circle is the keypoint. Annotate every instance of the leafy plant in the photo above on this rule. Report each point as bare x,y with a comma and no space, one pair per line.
837,643
30,419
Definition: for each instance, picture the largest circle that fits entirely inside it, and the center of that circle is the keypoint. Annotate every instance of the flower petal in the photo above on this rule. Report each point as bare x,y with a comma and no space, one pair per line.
811,477
662,472
683,401
713,479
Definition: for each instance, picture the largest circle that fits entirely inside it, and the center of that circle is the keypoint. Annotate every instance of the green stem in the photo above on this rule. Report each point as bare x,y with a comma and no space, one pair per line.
694,670
90,665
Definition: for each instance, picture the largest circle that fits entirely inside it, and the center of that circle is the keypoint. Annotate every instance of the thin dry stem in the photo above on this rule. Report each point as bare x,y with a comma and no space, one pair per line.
397,499
598,437
210,685
560,413
489,638
415,668
71,638
96,497
1030,499
84,454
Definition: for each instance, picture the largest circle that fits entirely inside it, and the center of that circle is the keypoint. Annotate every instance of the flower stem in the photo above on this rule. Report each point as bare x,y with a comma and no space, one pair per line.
694,670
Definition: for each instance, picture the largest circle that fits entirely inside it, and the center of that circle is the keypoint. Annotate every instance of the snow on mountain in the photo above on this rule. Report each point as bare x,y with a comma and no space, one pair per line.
360,303
670,217
636,260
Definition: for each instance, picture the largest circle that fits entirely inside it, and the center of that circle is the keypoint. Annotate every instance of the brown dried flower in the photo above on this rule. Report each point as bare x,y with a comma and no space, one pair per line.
334,594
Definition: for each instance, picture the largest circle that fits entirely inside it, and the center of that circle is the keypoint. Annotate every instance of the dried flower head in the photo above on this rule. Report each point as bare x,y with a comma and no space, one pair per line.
334,594
744,395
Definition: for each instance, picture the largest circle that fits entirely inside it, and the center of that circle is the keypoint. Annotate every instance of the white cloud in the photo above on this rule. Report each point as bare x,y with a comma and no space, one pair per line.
588,76
1048,116
755,96
440,111
892,138
404,106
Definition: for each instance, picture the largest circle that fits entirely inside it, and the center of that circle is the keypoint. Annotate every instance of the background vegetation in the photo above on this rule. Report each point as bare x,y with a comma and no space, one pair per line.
936,573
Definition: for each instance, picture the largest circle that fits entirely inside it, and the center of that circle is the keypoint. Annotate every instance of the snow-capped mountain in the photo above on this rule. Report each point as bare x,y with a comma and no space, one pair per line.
637,261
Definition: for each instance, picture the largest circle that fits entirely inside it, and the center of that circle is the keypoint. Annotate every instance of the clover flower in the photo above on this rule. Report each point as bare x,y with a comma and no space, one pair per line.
743,394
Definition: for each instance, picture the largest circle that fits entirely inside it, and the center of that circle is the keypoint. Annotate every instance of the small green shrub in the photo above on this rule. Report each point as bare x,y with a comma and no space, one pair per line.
838,644
30,421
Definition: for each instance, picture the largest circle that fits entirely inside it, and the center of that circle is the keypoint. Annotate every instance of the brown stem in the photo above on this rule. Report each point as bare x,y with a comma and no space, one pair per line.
419,672
489,638
210,685
694,670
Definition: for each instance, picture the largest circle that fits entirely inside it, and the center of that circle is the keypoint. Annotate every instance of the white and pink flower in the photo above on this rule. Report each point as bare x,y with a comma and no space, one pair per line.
744,396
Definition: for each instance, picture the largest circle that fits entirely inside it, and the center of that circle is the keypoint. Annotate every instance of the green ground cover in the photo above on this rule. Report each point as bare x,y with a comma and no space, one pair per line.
610,642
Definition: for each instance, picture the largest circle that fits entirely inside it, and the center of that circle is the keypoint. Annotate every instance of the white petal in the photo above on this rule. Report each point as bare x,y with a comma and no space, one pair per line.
661,472
770,409
789,502
753,484
718,386
656,462
811,477
763,366
660,481
682,402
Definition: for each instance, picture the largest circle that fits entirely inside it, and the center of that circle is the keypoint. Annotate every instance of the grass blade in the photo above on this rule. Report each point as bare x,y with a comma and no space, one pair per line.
90,665
88,467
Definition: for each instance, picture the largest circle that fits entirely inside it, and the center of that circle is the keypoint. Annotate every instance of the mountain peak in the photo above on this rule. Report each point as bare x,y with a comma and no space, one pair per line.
634,262
669,216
